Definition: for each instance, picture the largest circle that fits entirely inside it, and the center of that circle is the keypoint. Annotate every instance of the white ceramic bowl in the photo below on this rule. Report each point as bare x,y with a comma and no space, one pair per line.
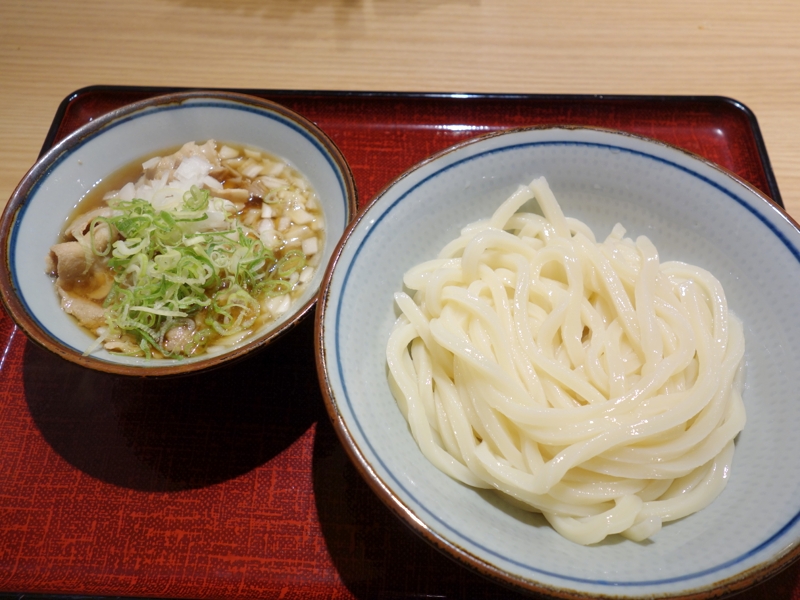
692,211
46,196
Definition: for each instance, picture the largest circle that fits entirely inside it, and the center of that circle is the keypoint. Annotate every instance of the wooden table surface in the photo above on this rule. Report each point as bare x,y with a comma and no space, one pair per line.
746,50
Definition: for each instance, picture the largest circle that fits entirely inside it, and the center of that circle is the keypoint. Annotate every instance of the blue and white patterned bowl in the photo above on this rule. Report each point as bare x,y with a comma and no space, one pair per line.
693,211
47,195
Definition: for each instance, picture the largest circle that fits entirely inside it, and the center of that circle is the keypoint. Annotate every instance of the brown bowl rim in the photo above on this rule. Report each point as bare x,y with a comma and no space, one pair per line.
729,586
40,170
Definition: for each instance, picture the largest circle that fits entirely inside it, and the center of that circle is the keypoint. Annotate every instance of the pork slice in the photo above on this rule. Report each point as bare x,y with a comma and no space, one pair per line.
89,314
50,266
69,262
79,228
176,338
164,166
121,346
102,237
207,151
232,194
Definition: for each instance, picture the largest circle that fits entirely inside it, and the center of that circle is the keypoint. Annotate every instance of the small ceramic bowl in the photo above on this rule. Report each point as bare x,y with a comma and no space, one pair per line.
692,211
46,196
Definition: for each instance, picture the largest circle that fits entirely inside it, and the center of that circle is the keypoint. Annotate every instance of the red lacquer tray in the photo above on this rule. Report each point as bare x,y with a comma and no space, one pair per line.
233,484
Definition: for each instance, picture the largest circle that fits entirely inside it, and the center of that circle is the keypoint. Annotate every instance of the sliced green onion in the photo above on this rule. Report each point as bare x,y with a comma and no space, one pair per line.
162,276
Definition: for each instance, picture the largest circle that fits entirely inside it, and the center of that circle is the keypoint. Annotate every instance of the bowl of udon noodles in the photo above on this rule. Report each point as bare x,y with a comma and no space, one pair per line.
175,234
565,357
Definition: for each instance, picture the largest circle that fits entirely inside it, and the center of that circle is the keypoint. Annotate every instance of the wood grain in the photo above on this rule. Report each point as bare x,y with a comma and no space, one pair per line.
741,49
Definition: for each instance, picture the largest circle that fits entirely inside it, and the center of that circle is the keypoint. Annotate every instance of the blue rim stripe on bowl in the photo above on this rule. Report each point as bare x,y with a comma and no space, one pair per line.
794,251
64,155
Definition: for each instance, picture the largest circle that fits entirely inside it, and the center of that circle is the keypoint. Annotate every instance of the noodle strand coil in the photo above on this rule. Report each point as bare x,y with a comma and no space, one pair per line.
586,381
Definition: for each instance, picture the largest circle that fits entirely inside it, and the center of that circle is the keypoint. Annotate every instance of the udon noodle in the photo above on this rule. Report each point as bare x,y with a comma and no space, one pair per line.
584,380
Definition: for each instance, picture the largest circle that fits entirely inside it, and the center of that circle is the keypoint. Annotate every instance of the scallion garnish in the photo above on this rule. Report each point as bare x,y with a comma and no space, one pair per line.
167,274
